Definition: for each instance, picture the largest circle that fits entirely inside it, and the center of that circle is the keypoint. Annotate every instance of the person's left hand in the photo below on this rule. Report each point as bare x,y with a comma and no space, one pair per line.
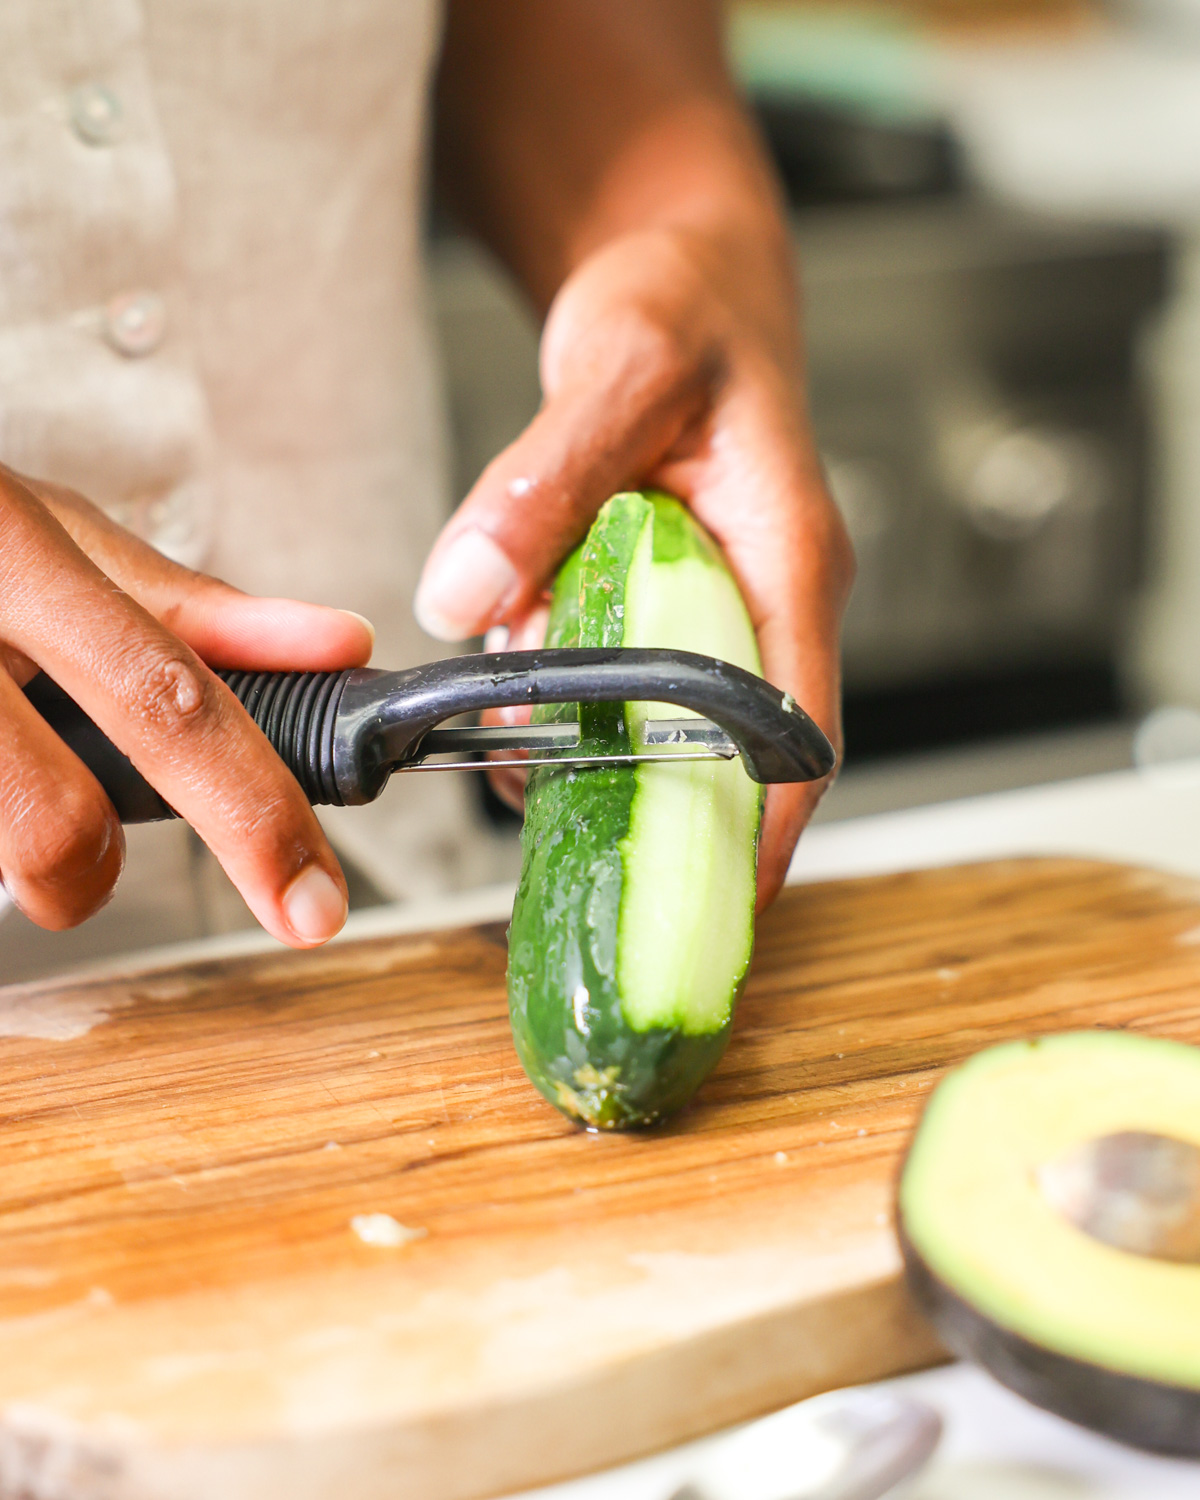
665,362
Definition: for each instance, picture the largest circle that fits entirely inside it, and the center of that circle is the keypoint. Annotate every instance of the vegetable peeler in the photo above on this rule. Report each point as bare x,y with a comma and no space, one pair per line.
343,734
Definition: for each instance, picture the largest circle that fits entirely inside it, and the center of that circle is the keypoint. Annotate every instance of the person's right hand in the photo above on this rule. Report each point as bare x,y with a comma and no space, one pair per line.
128,633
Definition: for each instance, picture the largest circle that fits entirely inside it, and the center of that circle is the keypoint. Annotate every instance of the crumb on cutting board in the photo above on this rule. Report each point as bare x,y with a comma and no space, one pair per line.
383,1230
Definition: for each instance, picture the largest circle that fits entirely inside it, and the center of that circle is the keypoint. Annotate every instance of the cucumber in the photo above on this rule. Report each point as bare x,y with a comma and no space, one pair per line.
633,925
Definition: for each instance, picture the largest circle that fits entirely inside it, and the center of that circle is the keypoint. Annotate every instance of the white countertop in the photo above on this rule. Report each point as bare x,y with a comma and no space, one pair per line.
1149,817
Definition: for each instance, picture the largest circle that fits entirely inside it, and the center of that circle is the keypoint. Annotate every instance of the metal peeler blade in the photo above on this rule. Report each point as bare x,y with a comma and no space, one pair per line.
556,742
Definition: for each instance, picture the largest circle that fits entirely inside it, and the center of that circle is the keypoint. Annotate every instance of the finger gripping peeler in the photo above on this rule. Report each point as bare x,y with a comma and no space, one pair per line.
343,734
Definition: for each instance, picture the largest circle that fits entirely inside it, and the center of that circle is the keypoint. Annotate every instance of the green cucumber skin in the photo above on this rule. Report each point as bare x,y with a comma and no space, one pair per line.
585,1058
568,1025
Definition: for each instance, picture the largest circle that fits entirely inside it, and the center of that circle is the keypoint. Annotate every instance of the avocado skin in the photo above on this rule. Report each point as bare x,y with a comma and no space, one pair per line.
586,1059
1145,1414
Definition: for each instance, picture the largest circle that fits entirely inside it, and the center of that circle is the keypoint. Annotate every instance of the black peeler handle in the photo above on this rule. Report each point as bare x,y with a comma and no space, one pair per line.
341,734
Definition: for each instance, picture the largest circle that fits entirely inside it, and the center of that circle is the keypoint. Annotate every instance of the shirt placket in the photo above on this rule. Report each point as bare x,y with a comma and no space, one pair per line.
98,384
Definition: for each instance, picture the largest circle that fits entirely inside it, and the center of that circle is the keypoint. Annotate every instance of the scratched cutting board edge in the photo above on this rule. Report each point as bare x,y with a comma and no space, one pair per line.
186,1312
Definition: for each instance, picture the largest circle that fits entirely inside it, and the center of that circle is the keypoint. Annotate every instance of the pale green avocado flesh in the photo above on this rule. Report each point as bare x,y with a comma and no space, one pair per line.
1105,1336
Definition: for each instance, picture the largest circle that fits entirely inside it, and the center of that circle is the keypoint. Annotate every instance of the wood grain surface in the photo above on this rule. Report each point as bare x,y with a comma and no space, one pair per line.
186,1312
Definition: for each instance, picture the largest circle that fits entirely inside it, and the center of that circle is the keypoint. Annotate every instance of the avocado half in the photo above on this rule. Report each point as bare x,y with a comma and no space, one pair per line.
1103,1337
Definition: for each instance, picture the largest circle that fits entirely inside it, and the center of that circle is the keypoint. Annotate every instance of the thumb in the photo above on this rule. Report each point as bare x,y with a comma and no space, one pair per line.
530,506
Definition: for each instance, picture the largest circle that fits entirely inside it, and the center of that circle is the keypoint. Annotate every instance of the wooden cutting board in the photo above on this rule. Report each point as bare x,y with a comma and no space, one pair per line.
186,1312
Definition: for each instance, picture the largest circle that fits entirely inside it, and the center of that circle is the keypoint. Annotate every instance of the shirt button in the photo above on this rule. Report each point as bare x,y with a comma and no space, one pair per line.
95,114
135,322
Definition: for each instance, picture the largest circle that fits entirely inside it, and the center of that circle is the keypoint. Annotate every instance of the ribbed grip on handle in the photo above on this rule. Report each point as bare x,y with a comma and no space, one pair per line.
297,712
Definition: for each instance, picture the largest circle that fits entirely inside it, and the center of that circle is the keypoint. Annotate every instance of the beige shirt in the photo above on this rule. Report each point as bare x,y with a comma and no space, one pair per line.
211,315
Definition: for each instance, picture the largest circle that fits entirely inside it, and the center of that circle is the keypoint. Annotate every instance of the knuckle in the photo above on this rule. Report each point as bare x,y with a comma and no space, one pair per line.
843,561
69,845
190,586
259,823
174,694
667,351
269,819
830,535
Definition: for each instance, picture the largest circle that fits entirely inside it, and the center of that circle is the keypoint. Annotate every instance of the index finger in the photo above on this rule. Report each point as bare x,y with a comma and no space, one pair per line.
226,627
179,725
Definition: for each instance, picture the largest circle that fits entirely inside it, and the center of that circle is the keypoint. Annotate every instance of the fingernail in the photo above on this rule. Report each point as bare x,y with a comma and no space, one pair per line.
362,620
496,638
314,906
462,586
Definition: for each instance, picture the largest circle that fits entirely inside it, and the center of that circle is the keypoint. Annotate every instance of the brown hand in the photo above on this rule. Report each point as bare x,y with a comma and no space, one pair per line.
658,369
127,633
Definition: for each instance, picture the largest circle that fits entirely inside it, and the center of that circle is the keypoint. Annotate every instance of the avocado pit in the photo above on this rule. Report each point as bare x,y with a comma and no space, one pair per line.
1049,1216
1133,1189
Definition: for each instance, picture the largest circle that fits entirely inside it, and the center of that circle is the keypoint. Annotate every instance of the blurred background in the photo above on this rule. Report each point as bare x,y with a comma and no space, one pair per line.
993,205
